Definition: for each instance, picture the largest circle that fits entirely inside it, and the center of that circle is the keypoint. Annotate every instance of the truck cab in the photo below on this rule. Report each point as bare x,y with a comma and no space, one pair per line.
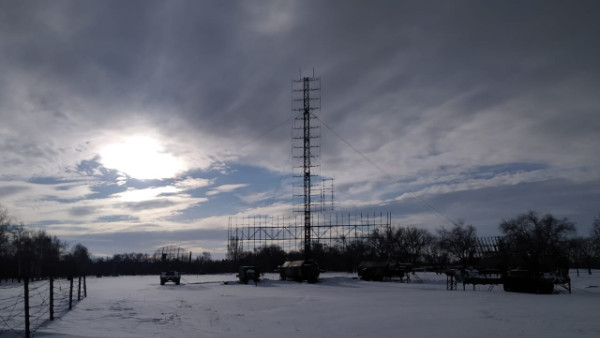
170,276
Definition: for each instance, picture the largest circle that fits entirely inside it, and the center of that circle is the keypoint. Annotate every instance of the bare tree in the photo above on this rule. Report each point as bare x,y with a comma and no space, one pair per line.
234,249
205,257
595,238
4,233
540,239
81,258
11,232
460,242
382,244
46,252
412,243
583,252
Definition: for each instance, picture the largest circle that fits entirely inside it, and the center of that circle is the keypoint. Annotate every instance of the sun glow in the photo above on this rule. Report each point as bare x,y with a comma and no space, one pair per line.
142,158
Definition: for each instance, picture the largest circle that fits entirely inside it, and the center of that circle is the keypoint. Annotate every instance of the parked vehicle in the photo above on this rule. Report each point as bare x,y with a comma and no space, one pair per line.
248,273
382,270
300,270
531,281
170,276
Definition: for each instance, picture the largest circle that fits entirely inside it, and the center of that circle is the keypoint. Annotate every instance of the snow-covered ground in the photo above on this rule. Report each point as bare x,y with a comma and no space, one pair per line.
338,306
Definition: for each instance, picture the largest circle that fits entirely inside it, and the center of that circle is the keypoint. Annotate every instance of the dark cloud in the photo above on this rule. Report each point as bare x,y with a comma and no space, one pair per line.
486,208
153,204
8,190
213,64
81,211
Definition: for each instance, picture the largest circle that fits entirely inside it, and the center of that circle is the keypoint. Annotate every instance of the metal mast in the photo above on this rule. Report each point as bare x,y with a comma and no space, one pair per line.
306,122
307,99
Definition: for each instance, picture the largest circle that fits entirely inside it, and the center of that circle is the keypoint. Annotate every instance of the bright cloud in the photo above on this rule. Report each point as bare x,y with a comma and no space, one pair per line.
225,188
142,158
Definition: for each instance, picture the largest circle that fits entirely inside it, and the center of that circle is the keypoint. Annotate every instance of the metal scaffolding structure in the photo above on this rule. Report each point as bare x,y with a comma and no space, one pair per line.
312,220
305,99
331,229
172,253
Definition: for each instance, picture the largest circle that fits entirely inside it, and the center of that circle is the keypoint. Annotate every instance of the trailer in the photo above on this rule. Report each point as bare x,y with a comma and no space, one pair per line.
383,270
532,281
515,267
489,277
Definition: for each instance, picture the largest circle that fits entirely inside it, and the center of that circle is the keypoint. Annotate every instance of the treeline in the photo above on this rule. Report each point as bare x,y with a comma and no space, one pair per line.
144,264
36,254
537,240
534,238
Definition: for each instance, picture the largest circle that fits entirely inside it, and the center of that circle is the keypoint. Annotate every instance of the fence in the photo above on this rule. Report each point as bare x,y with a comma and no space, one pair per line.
25,306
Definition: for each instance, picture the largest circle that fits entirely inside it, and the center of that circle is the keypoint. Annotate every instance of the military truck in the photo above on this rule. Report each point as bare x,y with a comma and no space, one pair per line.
300,270
170,276
248,273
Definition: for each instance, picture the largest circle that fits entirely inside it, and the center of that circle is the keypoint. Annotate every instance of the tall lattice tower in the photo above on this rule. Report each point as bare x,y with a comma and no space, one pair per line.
312,194
308,186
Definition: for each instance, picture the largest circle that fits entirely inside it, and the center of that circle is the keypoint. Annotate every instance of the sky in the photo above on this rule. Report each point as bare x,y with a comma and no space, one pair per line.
130,125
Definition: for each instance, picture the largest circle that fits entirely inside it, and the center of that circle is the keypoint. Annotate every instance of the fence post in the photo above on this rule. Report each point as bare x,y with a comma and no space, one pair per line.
79,288
70,292
84,287
51,298
26,292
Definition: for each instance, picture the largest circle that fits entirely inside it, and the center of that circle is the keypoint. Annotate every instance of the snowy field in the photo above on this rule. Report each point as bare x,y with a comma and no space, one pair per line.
338,306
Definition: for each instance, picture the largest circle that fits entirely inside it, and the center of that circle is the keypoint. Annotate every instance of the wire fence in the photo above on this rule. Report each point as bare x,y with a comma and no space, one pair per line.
25,306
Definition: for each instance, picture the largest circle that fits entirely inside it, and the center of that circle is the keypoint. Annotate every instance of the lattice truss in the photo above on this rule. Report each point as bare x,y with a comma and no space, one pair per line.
488,246
171,253
306,149
313,220
332,229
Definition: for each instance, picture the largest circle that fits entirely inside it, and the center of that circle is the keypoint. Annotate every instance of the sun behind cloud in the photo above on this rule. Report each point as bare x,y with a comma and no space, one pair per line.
141,157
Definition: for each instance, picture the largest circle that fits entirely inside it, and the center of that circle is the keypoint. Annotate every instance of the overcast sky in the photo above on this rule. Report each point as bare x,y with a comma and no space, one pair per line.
129,125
